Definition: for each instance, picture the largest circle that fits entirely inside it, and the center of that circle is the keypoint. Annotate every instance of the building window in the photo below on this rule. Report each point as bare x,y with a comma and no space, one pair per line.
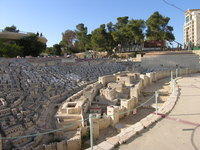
187,19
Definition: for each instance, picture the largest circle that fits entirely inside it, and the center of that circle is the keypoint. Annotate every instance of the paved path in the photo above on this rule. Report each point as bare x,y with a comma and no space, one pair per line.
175,135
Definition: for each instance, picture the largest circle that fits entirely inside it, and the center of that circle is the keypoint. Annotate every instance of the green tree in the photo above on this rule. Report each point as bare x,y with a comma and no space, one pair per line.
68,38
57,50
10,49
158,28
137,27
31,46
11,29
99,39
49,51
127,33
120,31
122,34
83,40
111,42
110,27
121,21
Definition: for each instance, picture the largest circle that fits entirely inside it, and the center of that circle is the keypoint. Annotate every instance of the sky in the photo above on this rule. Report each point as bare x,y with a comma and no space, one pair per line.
52,17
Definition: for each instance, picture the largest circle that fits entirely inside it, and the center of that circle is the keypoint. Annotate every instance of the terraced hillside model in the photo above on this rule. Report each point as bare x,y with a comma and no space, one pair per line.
33,89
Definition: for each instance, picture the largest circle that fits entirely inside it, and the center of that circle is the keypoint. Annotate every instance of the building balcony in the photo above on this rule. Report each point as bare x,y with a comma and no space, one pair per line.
19,35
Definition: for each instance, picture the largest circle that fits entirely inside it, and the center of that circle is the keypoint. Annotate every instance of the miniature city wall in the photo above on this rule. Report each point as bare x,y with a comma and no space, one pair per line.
75,109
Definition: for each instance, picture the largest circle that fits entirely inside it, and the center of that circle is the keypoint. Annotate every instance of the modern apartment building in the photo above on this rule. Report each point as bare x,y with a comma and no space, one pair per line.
192,28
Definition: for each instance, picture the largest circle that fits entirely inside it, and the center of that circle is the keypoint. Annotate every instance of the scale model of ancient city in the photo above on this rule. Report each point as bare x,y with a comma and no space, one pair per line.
103,95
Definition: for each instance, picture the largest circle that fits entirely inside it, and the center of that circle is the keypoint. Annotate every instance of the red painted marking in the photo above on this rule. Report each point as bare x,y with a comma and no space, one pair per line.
178,120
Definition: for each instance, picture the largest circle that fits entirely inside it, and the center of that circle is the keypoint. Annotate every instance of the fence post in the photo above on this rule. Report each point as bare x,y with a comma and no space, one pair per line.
174,83
177,73
171,75
156,100
91,130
